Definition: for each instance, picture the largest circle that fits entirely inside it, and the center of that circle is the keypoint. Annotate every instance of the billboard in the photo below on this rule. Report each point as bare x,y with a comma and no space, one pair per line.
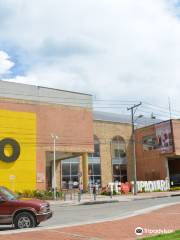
164,137
149,142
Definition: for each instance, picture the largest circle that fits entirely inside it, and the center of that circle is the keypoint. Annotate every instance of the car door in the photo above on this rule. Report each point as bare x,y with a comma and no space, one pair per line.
5,211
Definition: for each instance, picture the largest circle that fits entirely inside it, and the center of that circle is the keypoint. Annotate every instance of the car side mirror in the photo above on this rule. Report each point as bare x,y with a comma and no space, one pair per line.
2,199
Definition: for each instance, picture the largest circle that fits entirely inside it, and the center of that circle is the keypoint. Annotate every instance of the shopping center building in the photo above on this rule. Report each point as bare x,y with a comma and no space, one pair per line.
31,118
90,147
40,126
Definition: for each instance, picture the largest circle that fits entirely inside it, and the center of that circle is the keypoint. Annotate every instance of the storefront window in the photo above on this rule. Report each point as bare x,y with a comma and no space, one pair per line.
65,169
119,172
119,160
94,165
70,169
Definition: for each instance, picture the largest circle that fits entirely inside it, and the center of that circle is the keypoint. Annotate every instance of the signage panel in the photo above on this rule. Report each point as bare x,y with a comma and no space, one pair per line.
18,150
164,137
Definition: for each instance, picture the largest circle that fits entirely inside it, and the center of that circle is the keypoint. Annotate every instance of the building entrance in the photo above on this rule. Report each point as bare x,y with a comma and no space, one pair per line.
70,169
174,171
67,169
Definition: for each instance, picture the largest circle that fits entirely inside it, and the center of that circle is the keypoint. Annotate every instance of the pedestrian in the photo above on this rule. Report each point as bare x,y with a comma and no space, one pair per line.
94,189
81,188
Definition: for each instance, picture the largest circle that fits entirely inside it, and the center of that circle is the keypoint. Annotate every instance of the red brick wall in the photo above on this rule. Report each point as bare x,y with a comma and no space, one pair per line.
176,135
150,164
73,125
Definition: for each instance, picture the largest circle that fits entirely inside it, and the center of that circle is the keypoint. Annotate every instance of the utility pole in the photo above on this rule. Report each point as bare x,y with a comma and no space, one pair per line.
169,103
54,137
134,146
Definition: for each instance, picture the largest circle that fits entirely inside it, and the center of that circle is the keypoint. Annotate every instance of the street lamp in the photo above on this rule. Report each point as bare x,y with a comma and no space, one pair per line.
54,137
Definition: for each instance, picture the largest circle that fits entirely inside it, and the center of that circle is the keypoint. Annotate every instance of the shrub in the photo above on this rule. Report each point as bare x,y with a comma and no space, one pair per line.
175,189
158,190
106,192
40,194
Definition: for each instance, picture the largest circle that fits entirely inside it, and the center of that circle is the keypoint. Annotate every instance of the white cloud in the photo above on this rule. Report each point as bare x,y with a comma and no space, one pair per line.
5,63
115,49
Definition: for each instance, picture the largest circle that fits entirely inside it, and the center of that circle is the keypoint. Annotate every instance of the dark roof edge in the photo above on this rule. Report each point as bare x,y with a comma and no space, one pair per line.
111,121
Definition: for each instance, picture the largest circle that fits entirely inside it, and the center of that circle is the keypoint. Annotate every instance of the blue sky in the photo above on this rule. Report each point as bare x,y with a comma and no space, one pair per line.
113,49
18,56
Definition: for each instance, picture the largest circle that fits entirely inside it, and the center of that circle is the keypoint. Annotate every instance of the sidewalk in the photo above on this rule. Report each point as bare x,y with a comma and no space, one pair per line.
89,199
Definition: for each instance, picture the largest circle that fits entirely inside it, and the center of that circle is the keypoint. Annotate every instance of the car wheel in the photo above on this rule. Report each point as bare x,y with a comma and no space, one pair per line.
24,220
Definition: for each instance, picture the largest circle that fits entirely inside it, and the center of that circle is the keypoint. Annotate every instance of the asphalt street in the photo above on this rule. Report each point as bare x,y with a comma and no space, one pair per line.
81,214
85,213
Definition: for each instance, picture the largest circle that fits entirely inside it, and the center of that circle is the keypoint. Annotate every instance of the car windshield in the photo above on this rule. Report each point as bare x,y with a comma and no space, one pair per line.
8,194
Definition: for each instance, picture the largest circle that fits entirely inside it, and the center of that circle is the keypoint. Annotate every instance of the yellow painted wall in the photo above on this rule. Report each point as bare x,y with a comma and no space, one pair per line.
21,126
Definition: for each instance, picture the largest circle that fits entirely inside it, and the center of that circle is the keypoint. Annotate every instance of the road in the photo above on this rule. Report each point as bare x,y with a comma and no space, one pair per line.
91,213
70,222
81,214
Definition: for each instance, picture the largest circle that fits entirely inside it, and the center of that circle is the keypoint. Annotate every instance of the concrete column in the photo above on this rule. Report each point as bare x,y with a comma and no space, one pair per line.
106,164
81,170
85,171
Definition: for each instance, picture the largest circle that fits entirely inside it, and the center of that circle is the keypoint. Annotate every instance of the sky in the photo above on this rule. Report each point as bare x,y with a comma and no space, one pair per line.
117,50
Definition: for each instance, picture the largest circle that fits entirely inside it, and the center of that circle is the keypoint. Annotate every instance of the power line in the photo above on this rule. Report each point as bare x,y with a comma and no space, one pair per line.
161,107
108,106
116,101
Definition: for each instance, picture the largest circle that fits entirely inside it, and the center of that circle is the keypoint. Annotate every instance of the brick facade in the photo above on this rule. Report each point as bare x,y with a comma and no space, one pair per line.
150,164
73,125
153,164
105,132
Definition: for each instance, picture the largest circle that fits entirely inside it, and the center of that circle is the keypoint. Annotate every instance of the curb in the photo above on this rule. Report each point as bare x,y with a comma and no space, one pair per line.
175,195
109,201
153,197
99,202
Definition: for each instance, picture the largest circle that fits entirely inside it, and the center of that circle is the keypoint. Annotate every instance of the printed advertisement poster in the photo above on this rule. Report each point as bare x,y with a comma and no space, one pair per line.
164,137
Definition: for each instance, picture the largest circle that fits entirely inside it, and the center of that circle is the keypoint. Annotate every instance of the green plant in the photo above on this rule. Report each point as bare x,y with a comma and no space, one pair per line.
40,194
158,190
26,194
174,188
114,192
19,194
170,236
108,193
